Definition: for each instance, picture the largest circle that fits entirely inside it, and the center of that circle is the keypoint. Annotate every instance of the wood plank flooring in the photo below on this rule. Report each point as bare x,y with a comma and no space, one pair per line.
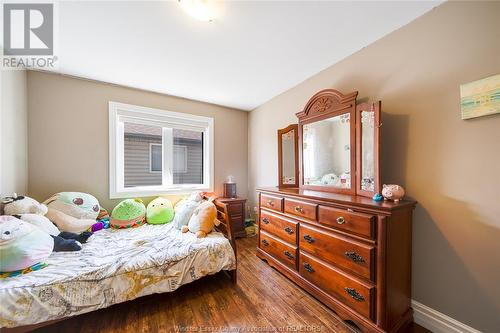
263,300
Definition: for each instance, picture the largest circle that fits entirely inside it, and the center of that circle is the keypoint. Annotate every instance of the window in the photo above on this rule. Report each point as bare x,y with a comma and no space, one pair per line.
158,152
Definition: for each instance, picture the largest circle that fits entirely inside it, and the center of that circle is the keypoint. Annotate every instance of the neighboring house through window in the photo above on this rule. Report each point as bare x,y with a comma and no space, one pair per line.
180,158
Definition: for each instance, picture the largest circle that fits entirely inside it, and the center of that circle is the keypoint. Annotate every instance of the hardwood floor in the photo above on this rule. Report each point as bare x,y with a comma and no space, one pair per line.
263,300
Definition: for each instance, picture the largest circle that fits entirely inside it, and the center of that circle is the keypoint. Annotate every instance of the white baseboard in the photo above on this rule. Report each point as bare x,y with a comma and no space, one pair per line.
437,322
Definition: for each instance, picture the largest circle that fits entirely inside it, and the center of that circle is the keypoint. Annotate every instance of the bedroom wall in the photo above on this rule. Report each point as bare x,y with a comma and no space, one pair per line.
449,165
13,133
68,134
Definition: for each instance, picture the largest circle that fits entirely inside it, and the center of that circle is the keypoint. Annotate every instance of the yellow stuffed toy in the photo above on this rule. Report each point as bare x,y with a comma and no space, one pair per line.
203,220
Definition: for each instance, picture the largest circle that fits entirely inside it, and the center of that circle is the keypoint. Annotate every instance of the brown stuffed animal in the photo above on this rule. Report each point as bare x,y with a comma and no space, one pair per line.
203,220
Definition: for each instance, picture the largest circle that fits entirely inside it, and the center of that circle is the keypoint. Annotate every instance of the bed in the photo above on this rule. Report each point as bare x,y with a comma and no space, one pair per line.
113,267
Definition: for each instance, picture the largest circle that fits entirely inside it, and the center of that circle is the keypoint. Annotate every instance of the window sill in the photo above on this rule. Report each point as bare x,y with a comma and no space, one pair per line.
139,192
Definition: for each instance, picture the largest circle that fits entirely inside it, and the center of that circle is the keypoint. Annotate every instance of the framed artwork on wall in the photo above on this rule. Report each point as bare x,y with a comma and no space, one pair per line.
480,98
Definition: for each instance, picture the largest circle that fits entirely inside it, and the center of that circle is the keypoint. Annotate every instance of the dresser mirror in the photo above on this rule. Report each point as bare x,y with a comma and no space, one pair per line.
367,146
339,142
326,150
288,161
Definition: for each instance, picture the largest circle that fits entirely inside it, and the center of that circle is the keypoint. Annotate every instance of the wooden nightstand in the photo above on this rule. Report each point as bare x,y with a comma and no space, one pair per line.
236,211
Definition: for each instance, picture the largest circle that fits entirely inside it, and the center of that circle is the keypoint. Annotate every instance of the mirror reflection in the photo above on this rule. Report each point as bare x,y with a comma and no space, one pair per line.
326,152
367,151
288,157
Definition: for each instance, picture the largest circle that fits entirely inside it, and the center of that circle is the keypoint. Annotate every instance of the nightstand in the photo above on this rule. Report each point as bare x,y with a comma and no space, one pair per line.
236,211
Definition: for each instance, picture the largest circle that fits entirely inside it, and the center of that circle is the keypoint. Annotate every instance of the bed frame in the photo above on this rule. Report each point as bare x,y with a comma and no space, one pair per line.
224,227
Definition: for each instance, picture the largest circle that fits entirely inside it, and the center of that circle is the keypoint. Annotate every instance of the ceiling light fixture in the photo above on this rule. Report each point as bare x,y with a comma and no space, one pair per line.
203,10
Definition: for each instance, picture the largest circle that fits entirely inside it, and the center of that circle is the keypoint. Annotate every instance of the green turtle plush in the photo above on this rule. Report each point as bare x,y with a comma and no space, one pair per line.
128,214
159,211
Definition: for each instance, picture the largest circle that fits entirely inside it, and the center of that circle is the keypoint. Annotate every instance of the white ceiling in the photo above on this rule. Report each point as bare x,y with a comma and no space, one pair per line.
253,52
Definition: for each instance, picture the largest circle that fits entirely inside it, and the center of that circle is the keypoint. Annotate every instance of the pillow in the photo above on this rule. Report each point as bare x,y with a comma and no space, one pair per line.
185,208
128,214
22,245
159,211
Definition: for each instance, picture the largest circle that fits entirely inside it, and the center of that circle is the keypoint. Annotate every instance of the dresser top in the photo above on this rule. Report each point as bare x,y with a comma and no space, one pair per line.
354,200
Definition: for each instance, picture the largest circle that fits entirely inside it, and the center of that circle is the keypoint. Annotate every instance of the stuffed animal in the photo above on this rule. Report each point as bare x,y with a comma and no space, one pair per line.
203,220
22,245
73,211
185,208
159,211
128,214
31,211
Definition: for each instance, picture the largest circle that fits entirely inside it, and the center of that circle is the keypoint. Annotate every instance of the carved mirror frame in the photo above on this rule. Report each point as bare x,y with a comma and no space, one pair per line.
282,131
376,109
323,105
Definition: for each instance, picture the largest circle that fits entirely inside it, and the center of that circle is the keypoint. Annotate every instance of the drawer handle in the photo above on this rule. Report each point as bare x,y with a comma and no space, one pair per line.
289,255
308,268
265,242
308,239
265,220
340,220
354,256
289,230
270,203
354,294
298,209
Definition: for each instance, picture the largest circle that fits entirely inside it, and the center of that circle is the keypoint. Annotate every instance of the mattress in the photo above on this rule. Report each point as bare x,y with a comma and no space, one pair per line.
114,266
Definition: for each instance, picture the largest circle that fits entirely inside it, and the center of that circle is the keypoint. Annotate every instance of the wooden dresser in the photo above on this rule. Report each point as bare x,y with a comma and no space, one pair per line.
350,252
236,211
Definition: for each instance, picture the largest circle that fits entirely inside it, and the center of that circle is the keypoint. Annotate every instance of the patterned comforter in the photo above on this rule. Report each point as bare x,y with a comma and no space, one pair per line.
114,266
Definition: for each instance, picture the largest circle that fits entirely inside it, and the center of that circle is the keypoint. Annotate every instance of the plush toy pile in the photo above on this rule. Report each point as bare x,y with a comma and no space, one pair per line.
29,236
31,231
196,215
31,211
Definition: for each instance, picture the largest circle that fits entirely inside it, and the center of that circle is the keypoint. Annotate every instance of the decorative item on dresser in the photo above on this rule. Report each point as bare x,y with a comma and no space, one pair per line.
236,211
328,235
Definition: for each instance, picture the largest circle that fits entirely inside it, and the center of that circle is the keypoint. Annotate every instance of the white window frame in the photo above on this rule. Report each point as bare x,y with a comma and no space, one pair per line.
120,112
151,157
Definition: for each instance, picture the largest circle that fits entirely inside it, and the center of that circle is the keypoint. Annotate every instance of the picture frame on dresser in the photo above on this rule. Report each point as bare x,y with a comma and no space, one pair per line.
327,235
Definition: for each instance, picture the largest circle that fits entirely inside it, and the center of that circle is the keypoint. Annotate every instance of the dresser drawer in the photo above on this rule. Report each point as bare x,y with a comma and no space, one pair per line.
279,226
236,209
356,223
301,208
268,201
282,251
357,295
352,256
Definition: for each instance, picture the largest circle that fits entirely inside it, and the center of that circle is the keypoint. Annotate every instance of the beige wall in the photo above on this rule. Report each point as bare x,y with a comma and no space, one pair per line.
13,133
451,166
68,134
